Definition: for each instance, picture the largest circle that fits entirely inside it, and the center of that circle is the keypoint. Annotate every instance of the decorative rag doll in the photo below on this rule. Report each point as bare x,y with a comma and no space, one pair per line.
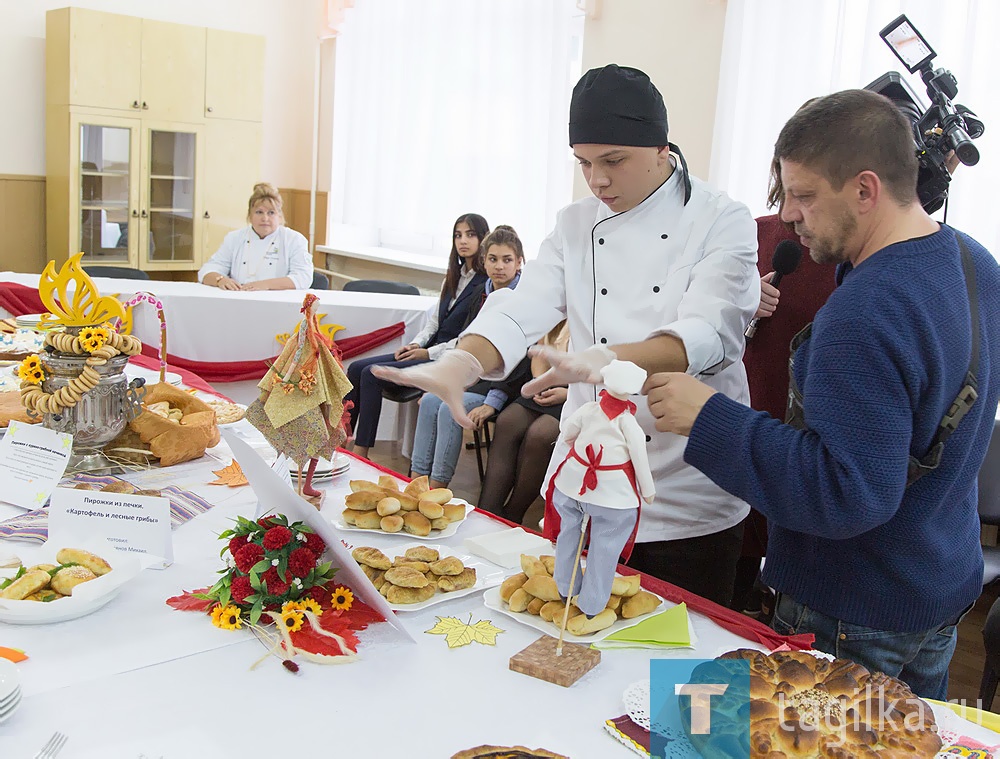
301,408
602,480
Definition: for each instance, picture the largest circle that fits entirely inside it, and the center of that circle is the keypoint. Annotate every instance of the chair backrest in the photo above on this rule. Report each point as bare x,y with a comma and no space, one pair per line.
320,281
117,272
381,286
989,480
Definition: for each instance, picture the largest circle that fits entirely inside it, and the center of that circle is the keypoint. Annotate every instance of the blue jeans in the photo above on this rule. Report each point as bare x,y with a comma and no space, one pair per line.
919,659
437,441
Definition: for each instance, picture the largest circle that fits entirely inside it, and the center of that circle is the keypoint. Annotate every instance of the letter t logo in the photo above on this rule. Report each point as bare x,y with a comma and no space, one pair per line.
701,703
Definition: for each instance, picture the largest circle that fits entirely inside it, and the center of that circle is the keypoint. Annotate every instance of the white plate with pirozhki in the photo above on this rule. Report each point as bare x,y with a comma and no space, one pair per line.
416,512
532,598
56,583
421,574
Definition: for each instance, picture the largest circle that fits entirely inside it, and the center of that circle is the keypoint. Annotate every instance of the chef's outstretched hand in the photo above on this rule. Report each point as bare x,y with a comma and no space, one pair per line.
675,400
568,368
446,378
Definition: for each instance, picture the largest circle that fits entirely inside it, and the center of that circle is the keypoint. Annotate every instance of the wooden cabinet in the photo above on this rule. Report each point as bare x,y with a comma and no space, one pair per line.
153,138
234,71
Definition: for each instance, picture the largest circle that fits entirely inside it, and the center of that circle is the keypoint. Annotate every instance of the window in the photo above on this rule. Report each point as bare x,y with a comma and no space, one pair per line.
779,53
446,107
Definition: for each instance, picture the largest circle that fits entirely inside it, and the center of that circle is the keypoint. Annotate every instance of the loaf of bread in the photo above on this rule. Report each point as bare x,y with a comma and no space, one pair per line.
804,706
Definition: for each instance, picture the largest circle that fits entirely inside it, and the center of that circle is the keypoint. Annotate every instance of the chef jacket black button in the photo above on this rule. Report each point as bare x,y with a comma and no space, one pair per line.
663,237
604,291
600,241
656,289
648,438
604,340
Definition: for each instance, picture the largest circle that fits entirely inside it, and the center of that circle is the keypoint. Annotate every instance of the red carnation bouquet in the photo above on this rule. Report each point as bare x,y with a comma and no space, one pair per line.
275,573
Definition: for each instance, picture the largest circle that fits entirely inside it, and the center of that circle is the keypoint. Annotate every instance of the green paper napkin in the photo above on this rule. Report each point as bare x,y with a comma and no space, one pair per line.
668,629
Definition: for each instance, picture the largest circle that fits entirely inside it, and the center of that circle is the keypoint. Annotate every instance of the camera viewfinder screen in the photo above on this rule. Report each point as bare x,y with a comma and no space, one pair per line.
907,44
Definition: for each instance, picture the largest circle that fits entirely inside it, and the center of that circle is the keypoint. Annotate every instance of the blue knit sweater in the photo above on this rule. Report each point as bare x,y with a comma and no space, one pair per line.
888,353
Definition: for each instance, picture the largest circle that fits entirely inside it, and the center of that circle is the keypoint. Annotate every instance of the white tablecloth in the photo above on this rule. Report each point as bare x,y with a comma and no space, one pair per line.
139,678
209,324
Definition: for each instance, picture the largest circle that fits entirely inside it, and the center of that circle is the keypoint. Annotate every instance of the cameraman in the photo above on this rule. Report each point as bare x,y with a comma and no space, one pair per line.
873,548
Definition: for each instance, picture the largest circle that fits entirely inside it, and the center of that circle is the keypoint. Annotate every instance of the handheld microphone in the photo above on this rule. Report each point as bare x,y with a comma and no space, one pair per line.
785,259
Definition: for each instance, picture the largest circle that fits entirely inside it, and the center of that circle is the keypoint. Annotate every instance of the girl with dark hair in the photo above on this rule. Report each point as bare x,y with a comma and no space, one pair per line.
465,275
437,441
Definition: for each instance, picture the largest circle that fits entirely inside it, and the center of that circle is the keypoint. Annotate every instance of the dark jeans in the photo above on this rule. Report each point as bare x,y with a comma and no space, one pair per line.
705,565
367,395
920,659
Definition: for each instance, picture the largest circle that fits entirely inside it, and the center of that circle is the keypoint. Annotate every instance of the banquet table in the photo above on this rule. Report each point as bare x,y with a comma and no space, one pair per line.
140,679
206,325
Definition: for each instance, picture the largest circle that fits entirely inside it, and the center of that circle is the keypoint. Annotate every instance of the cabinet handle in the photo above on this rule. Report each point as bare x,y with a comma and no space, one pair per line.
206,216
209,109
135,103
144,106
143,214
135,214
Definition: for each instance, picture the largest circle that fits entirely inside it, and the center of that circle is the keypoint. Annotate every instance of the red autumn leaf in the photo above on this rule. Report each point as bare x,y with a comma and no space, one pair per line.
342,623
187,602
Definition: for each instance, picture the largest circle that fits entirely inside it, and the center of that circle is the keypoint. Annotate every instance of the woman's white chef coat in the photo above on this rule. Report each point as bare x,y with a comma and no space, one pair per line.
661,268
248,258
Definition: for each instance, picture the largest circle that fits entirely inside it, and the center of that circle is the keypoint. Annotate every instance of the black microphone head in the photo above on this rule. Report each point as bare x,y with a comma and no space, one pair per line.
786,257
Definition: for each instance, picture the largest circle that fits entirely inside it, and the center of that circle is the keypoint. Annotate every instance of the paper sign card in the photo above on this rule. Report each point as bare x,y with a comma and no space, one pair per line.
32,461
133,524
279,498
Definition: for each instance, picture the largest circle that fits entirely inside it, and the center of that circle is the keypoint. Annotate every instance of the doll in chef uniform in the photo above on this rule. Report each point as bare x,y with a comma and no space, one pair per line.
604,476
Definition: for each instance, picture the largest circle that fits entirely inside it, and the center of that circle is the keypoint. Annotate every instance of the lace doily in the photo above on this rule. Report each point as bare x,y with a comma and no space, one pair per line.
637,701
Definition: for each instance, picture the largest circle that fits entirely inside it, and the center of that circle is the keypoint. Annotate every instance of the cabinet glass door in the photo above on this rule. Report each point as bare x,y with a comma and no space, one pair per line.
171,197
104,193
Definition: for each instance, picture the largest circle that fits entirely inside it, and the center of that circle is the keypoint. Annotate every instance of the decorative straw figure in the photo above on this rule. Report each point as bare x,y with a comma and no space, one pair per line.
602,480
301,405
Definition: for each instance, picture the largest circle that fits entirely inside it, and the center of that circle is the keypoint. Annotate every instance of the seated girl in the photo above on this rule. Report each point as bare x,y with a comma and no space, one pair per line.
525,436
465,275
437,442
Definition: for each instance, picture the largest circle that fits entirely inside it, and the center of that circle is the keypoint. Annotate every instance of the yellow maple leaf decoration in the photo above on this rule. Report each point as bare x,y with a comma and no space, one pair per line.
231,475
458,633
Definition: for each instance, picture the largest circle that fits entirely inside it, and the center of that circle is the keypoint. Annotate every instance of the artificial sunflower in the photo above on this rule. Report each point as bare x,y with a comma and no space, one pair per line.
289,606
93,338
292,620
342,598
217,614
229,618
308,604
30,370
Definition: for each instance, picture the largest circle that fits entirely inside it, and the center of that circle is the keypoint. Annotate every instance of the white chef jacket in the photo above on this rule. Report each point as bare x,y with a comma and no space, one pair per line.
661,268
616,440
245,257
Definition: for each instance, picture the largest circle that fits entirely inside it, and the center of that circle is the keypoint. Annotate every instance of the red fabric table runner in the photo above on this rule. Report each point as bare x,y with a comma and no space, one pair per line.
730,620
21,299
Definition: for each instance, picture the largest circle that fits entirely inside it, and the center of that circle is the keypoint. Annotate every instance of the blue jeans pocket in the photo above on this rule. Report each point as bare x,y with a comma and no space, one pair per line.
788,615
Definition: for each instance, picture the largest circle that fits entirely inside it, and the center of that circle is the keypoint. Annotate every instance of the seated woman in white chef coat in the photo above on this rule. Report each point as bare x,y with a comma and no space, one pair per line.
265,255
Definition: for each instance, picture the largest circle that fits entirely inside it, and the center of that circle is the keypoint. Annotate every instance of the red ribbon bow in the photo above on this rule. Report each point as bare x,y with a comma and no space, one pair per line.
612,406
593,463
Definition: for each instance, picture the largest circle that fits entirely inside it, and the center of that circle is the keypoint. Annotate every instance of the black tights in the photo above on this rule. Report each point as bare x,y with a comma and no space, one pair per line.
518,458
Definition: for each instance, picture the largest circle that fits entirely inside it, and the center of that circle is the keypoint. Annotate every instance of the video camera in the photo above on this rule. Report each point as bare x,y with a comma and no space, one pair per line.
943,126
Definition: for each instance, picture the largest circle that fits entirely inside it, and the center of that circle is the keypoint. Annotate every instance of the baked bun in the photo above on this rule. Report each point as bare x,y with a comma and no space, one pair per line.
454,512
388,506
417,486
416,523
466,579
399,595
371,557
95,564
437,495
422,553
449,565
430,509
391,523
68,578
25,585
406,577
368,520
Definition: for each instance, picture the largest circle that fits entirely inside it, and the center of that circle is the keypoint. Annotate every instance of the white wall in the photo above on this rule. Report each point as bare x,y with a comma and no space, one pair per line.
290,28
679,44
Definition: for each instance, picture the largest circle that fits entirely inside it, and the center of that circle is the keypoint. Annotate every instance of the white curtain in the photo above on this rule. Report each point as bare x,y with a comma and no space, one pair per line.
446,107
779,53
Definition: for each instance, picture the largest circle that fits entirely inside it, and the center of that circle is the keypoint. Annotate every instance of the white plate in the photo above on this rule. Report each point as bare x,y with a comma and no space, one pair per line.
9,679
4,716
6,703
340,464
492,600
447,532
487,576
238,421
87,597
29,321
